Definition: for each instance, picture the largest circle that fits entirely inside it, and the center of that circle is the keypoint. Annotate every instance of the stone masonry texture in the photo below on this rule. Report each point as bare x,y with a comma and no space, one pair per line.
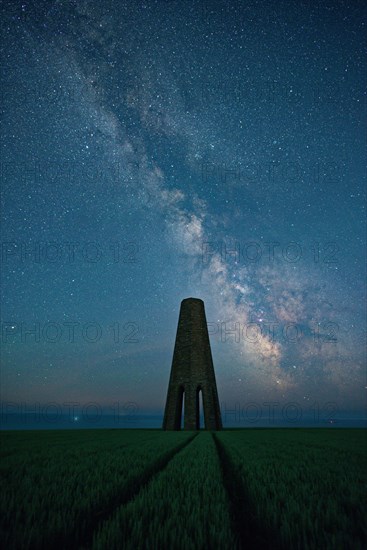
192,371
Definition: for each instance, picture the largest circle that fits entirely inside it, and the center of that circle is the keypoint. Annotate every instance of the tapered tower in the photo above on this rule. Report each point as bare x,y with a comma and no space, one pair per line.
192,371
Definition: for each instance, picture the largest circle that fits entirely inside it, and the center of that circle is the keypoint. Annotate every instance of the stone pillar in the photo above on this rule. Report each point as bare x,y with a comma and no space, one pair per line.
192,371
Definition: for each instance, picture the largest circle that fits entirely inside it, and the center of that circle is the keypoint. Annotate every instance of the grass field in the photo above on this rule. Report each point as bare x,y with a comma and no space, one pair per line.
132,489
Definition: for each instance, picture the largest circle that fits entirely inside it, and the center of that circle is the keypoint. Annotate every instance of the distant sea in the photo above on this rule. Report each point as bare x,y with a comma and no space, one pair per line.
29,421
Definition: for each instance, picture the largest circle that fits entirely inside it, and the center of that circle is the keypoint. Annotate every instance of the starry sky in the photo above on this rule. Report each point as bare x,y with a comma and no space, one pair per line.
156,150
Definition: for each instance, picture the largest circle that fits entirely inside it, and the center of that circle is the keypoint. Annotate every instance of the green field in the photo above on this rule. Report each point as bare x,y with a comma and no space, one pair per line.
132,489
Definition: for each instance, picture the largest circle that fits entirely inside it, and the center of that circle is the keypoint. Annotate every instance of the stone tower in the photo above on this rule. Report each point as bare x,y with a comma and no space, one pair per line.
192,371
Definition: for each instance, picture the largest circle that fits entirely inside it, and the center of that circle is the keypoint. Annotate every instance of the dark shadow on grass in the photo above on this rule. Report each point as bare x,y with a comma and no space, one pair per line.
88,524
249,529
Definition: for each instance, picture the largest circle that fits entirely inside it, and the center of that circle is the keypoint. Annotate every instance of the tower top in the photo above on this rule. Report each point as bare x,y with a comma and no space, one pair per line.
192,300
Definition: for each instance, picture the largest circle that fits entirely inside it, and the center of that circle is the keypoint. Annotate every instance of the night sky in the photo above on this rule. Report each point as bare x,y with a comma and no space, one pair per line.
157,150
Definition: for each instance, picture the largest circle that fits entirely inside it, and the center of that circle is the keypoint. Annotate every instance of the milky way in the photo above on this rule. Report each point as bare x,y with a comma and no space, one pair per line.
153,151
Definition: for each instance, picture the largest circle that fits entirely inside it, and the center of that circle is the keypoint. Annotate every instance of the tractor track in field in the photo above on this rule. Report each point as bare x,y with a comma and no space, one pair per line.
250,531
96,519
